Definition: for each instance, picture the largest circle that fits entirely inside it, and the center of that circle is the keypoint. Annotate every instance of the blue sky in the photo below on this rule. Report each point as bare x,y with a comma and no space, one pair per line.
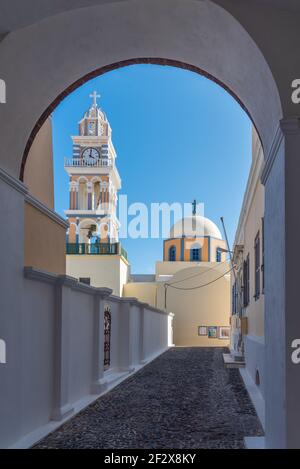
178,137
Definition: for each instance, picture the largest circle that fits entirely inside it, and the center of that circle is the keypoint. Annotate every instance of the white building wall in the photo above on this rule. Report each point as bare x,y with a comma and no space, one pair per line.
36,351
81,344
114,308
59,367
255,359
155,330
135,328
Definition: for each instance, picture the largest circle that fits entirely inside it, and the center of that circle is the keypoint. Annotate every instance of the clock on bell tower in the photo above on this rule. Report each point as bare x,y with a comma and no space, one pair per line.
94,181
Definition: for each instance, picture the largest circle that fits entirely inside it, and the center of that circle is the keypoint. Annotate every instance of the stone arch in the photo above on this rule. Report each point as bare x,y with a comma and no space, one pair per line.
83,229
172,253
237,63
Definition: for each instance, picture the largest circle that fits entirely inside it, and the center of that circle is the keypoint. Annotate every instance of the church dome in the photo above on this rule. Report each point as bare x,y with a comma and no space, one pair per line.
195,226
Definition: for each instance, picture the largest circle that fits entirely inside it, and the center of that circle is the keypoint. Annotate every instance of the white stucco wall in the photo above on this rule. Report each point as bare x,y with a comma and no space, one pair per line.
104,271
59,355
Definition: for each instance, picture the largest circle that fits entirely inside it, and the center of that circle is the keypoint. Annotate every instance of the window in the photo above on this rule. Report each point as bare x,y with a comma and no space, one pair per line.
246,281
263,253
172,254
257,266
85,280
195,254
233,294
218,255
107,338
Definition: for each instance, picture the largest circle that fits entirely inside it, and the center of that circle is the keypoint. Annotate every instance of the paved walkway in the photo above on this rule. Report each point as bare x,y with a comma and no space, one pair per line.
183,399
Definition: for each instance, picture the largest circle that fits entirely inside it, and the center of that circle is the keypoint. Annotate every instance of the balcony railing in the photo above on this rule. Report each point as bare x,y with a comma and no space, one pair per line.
96,249
84,162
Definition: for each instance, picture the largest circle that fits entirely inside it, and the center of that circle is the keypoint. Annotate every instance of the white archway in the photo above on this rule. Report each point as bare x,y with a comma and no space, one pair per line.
200,36
240,69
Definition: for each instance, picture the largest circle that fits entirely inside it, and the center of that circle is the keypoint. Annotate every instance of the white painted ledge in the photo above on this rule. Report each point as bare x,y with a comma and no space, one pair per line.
13,182
255,442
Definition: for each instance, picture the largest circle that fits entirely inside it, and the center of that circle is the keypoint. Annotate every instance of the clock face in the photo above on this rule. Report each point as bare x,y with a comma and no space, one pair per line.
90,154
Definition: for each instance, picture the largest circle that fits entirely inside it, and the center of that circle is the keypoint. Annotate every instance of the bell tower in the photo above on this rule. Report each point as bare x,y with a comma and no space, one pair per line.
94,183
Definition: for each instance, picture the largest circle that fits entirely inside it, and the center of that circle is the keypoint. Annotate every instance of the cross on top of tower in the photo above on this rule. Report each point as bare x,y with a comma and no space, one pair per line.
94,96
194,205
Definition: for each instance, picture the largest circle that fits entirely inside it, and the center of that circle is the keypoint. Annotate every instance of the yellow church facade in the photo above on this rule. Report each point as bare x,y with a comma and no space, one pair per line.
192,282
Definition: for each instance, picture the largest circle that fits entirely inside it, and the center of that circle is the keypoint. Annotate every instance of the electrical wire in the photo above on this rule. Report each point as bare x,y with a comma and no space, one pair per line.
200,286
199,273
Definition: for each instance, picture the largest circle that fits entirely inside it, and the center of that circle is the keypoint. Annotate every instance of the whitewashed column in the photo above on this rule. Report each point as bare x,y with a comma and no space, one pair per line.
125,335
170,330
99,383
142,334
89,188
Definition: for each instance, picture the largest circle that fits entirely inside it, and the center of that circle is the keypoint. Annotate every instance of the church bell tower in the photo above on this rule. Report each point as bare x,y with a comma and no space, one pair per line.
94,183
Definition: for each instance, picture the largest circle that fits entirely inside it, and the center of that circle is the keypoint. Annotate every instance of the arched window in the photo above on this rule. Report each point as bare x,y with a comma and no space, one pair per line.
82,195
96,195
218,255
172,254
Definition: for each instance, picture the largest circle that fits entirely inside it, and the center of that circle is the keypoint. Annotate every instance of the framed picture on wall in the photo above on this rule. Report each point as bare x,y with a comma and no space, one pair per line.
212,332
224,332
202,330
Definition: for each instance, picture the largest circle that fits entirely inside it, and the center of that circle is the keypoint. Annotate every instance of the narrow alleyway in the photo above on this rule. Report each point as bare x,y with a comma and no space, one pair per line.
184,399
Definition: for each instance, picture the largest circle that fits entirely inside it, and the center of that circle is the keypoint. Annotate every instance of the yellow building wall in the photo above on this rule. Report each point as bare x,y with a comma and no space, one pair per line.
207,306
144,291
38,174
250,224
253,225
44,238
44,241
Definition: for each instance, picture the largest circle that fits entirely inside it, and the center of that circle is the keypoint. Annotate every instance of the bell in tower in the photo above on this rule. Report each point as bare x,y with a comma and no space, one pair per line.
94,184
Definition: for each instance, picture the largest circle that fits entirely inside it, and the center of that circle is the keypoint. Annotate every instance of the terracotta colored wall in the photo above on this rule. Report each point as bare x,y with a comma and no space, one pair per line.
44,241
38,175
203,242
168,244
214,244
72,231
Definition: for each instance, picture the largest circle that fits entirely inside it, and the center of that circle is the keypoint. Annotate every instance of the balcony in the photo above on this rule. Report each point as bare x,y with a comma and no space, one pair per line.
96,249
84,163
